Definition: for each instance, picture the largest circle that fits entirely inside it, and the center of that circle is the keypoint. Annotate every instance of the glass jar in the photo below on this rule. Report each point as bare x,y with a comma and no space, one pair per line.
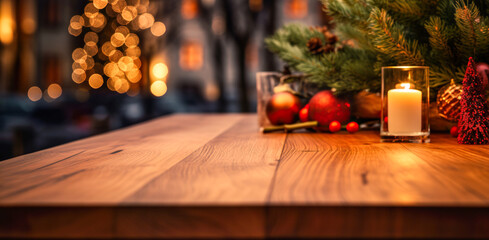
269,83
405,104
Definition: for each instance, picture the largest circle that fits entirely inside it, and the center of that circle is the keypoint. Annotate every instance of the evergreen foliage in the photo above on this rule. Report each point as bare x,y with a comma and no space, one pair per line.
441,34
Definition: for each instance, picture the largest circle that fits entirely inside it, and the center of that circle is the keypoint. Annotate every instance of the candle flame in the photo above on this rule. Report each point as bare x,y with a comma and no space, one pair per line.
405,85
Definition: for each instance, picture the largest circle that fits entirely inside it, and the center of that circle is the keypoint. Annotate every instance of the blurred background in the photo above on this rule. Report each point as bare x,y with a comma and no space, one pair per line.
72,69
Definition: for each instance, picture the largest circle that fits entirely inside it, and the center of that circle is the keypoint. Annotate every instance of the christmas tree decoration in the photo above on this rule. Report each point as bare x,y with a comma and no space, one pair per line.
304,114
352,127
474,124
334,126
324,107
439,34
454,131
283,108
448,101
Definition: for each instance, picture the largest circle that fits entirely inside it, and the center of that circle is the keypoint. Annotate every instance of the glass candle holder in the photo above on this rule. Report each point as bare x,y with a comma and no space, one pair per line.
405,104
269,83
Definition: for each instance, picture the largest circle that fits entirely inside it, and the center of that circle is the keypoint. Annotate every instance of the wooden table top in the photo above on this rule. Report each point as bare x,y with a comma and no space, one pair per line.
211,175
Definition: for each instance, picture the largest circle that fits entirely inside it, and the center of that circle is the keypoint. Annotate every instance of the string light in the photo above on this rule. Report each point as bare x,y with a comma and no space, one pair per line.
111,48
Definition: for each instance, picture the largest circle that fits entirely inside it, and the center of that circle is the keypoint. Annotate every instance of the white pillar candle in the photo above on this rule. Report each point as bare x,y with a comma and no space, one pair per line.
404,110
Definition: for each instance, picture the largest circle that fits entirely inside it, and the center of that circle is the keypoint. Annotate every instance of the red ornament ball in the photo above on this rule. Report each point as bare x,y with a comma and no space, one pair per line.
283,108
454,131
325,108
304,114
334,126
352,127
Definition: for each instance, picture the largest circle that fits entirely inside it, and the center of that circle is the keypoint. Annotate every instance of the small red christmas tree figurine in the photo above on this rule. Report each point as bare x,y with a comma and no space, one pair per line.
474,124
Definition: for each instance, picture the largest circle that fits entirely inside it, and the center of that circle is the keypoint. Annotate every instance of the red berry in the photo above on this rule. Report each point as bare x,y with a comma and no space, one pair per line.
304,113
352,127
334,126
454,131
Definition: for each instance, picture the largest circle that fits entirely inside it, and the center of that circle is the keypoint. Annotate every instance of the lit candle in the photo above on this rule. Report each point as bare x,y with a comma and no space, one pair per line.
404,110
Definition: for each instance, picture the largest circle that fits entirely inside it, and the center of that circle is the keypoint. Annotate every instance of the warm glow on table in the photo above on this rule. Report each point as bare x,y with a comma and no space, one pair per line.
404,110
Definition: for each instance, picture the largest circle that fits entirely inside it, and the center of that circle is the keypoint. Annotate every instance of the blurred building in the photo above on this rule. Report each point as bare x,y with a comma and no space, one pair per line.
57,78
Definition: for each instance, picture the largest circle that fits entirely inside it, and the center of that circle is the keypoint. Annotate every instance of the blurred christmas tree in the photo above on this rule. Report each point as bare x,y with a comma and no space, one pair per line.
441,34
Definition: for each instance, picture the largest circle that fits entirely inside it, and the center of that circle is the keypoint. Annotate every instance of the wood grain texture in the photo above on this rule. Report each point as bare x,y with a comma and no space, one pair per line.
106,169
345,169
234,168
216,176
351,186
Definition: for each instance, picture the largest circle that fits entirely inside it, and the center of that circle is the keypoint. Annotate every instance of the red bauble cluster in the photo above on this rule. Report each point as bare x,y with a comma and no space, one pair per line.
325,108
283,108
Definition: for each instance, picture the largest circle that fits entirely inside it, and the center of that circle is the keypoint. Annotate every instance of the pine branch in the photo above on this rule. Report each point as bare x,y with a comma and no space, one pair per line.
440,35
348,31
353,12
465,18
389,39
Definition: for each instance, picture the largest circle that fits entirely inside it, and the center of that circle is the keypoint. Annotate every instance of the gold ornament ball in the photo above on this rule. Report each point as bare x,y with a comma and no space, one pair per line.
448,101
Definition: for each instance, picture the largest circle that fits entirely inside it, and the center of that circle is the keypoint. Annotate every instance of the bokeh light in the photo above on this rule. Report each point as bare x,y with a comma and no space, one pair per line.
107,48
7,22
111,69
132,40
117,39
79,55
90,37
90,10
129,13
158,88
115,55
146,20
123,30
118,5
158,29
133,75
96,81
78,75
133,52
54,91
34,93
100,4
160,70
111,48
190,9
91,48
